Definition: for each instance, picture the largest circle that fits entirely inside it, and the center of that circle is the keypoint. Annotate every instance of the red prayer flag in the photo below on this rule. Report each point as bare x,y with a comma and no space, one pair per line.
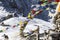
57,1
49,0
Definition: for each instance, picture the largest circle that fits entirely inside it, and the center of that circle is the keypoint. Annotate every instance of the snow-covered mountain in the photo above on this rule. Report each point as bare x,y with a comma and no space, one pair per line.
40,20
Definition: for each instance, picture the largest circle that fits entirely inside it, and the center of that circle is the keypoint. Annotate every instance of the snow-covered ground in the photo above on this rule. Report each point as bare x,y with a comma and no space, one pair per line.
43,25
14,32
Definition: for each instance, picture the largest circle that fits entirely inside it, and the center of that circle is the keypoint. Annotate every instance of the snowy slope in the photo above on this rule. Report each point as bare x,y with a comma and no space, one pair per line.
15,20
3,12
43,25
13,33
12,21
